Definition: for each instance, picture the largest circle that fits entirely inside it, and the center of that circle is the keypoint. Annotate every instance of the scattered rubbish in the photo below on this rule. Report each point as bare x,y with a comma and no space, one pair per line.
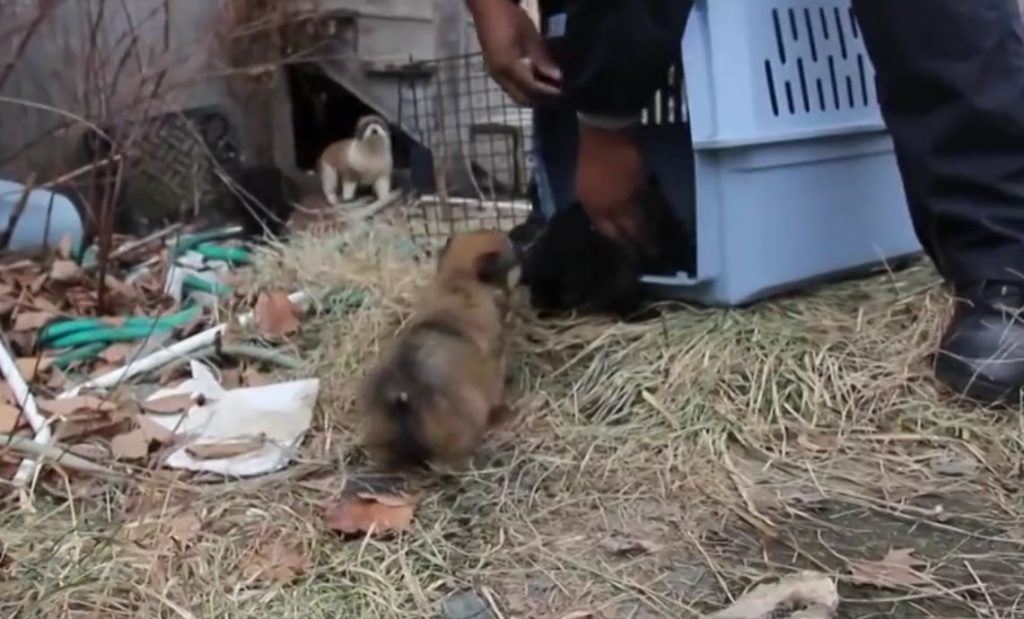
269,420
276,563
375,514
276,316
133,445
805,595
185,529
465,605
897,569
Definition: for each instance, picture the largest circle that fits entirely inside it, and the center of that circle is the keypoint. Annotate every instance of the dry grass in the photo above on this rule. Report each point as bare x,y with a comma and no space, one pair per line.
743,444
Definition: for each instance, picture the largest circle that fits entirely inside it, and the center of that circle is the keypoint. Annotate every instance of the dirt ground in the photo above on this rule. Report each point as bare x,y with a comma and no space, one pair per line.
657,470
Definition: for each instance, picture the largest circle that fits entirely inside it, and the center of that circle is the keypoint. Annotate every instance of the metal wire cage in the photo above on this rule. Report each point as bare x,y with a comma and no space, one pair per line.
472,167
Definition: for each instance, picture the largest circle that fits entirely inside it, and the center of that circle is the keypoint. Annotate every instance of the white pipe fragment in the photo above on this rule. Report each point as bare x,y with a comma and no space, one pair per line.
27,403
165,356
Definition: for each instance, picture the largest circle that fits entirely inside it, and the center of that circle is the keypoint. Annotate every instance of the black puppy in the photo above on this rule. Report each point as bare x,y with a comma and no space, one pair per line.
568,265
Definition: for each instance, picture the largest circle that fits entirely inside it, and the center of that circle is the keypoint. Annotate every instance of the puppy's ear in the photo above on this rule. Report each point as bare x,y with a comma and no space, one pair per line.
497,268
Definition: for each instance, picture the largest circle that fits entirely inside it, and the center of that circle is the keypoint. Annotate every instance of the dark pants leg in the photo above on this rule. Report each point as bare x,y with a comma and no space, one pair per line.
951,83
616,53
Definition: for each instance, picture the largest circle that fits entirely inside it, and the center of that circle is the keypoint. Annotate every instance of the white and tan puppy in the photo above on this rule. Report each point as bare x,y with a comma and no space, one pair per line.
363,160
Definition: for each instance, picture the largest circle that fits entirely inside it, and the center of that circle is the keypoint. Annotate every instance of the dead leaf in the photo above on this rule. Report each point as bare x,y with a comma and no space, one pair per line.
6,395
231,378
91,451
43,305
10,418
65,271
812,591
895,569
80,426
125,290
168,405
131,446
252,377
185,529
224,449
624,547
276,315
63,407
278,564
817,443
31,367
6,564
117,353
31,321
364,513
153,430
64,247
581,614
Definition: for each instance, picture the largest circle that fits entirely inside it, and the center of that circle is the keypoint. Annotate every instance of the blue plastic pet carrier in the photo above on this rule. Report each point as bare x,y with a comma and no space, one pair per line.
769,144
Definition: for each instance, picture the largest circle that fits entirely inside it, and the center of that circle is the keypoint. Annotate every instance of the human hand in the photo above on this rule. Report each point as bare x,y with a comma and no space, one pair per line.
514,51
609,177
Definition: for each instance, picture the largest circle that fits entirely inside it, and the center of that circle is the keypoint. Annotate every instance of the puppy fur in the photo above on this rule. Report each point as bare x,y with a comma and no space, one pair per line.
572,267
363,160
440,386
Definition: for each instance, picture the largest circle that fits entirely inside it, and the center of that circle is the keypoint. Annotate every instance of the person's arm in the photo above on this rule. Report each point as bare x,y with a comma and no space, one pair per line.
514,51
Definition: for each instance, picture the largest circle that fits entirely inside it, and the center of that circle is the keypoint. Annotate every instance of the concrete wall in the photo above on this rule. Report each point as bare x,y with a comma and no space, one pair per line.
56,78
55,81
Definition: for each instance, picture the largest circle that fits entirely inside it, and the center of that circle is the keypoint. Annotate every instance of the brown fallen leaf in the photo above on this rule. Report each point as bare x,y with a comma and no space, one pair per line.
896,569
91,451
153,430
31,321
10,418
277,564
133,445
185,529
581,614
86,425
231,378
366,513
276,315
6,563
31,367
6,395
224,449
43,304
252,377
66,406
125,290
117,353
168,405
65,271
625,547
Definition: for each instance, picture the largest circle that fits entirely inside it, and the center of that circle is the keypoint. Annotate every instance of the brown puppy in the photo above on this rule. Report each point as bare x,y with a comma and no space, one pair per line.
440,386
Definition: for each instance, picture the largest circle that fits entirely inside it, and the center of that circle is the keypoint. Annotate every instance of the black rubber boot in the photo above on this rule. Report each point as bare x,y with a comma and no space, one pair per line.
982,352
